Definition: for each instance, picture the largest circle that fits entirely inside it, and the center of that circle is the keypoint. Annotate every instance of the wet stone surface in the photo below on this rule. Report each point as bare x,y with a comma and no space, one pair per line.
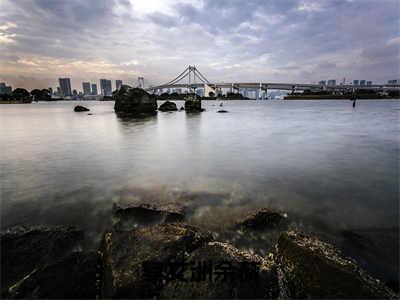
25,248
310,268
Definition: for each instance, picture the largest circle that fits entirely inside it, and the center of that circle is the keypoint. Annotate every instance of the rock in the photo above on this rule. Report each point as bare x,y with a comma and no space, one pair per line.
182,108
262,219
149,213
73,276
136,205
310,268
134,101
80,108
222,111
124,252
168,106
193,106
376,250
262,283
24,249
90,114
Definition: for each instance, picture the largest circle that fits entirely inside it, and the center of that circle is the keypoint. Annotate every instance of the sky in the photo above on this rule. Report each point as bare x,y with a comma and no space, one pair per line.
228,40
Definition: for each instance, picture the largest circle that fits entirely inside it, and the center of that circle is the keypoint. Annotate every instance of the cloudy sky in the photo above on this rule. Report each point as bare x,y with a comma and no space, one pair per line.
269,41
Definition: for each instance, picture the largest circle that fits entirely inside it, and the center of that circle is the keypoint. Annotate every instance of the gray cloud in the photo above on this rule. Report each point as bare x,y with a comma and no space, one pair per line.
285,40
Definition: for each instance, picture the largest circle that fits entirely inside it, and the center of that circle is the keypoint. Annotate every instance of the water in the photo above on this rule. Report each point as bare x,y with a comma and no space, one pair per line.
329,166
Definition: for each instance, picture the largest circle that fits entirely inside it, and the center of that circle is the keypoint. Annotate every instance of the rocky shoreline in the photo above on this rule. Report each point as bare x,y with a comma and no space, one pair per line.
152,251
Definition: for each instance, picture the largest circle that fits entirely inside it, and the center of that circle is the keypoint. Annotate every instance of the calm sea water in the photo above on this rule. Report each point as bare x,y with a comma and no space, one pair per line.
329,166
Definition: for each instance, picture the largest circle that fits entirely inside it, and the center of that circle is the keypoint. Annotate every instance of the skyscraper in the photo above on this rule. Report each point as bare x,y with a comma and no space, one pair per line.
355,82
331,82
105,87
362,82
65,86
118,84
86,88
5,89
94,89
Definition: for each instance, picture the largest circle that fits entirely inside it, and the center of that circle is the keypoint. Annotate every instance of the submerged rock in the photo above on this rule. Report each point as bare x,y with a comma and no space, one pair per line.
168,106
73,277
262,219
26,248
193,106
310,268
134,101
150,212
80,108
231,273
222,111
124,253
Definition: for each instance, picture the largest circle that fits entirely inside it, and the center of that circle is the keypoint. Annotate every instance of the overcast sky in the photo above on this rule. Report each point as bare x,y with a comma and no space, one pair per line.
269,41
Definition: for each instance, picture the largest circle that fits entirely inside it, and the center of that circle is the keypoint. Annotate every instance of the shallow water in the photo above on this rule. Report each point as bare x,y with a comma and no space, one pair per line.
328,166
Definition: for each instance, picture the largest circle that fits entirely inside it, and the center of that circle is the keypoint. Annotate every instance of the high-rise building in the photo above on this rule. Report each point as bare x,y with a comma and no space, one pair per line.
94,89
86,88
331,82
322,82
5,89
65,86
118,84
105,87
362,82
355,82
394,81
369,82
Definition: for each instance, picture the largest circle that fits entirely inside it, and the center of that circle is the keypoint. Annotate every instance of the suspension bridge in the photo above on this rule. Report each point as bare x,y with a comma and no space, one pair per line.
191,79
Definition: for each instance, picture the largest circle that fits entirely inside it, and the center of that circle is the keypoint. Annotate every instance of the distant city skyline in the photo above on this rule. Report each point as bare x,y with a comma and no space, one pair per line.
283,41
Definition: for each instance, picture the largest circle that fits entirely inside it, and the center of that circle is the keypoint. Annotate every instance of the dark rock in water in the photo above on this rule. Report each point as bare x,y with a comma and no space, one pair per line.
182,108
90,114
80,108
193,106
134,101
376,250
73,276
240,283
124,252
310,268
24,249
168,106
262,219
148,213
222,111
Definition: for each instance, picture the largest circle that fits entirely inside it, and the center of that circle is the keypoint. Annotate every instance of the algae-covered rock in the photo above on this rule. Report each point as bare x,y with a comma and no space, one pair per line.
219,270
168,106
261,219
125,252
72,277
310,268
134,101
25,248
